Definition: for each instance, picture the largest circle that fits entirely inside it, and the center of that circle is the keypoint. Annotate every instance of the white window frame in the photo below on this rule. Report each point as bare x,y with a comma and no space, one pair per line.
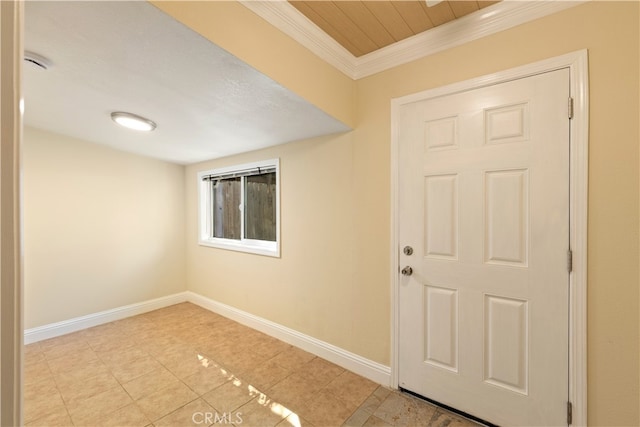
205,220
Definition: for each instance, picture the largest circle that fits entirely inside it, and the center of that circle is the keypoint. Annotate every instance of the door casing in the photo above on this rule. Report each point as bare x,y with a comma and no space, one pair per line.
11,295
577,63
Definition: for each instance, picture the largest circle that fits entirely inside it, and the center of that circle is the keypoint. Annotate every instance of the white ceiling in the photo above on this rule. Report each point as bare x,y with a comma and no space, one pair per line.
129,56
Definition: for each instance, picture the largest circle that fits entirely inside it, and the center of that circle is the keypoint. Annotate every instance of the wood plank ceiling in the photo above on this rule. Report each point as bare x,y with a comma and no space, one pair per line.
362,27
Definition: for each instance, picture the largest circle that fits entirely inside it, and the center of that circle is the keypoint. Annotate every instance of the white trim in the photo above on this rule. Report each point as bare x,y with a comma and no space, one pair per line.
577,63
205,216
286,18
578,206
487,21
374,371
83,322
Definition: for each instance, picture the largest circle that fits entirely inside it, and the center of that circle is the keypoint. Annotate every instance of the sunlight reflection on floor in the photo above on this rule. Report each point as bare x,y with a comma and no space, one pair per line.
184,365
261,398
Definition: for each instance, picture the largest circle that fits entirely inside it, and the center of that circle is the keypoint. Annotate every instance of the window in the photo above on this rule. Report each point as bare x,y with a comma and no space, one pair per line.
240,208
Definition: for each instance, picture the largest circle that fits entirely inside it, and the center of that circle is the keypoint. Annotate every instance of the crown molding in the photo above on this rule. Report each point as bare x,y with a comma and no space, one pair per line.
490,20
282,15
487,21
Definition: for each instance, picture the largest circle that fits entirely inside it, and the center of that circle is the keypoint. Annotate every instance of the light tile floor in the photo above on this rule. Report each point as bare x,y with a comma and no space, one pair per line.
184,365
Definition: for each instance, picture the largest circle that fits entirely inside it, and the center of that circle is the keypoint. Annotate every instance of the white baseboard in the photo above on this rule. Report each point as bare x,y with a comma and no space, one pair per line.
374,371
53,330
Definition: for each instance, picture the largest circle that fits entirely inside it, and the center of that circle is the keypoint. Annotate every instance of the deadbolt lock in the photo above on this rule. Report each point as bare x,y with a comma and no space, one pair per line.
408,250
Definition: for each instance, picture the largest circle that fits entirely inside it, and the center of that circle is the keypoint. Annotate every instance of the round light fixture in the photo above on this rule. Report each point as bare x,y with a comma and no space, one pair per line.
132,121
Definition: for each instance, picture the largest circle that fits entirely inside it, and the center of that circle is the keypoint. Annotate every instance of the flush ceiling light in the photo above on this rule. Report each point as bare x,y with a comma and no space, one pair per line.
132,121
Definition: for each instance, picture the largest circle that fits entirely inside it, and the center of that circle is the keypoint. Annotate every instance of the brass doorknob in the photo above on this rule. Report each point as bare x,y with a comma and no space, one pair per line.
407,271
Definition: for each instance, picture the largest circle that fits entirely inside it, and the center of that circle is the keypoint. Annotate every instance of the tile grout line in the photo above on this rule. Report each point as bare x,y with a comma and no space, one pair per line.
173,323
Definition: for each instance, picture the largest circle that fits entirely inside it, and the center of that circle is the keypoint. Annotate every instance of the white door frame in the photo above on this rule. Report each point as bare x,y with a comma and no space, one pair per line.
577,63
11,333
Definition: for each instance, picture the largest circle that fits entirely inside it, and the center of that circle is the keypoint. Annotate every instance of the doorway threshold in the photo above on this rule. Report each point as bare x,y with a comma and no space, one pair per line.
448,408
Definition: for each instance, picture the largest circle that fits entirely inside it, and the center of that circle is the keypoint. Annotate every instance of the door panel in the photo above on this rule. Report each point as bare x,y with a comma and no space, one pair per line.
484,201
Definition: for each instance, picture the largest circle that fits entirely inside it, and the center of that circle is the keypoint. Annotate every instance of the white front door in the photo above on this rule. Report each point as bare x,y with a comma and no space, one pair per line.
483,201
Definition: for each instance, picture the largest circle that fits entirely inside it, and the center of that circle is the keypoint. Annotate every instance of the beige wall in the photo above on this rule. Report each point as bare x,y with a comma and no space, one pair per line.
610,32
313,288
333,279
102,228
85,253
238,30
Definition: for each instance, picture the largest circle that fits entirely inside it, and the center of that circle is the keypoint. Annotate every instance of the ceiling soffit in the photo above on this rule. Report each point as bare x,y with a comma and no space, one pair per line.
130,56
